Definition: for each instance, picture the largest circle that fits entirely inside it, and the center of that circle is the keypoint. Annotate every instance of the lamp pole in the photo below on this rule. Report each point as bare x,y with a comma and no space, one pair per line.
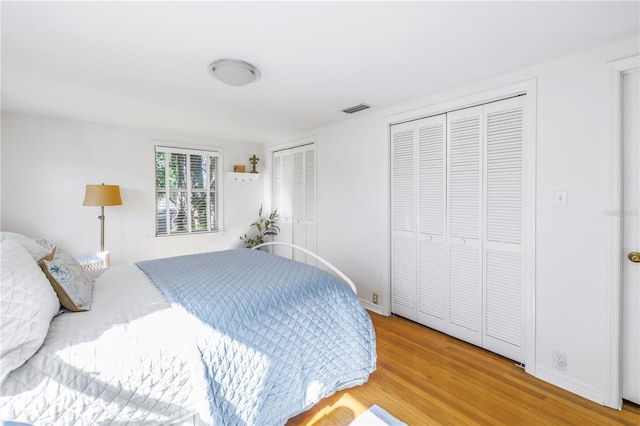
101,217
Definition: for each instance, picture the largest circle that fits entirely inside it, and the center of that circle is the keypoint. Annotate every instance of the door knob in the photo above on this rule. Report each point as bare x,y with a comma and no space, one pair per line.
634,256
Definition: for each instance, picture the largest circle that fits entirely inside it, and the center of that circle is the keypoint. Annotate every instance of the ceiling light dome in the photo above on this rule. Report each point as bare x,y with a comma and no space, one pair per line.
234,72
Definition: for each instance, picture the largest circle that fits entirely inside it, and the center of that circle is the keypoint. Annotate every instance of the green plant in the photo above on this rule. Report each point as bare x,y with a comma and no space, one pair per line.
265,225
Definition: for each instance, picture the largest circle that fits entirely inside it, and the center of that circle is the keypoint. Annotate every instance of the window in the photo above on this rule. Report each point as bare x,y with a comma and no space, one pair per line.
187,191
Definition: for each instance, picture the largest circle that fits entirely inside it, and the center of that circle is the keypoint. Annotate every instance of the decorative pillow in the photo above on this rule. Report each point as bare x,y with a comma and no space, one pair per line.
36,250
28,304
46,244
70,282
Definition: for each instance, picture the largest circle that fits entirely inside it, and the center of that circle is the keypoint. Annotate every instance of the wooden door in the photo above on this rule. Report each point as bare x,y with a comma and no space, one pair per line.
631,239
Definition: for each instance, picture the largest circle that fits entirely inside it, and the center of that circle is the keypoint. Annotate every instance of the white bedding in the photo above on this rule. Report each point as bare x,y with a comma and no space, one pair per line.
155,380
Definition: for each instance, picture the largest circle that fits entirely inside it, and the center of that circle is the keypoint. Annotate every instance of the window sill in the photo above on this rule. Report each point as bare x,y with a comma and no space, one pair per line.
191,236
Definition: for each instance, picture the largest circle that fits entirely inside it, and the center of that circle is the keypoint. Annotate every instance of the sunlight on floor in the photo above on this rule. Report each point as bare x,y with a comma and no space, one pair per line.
346,408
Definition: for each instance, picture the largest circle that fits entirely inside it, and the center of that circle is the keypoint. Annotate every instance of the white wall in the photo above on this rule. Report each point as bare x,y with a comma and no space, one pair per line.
571,243
46,163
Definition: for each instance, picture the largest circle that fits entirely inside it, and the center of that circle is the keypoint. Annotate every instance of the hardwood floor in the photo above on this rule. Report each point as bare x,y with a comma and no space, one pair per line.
427,378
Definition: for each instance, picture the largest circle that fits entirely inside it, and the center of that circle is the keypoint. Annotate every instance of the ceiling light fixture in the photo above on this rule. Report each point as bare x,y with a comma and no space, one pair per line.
234,72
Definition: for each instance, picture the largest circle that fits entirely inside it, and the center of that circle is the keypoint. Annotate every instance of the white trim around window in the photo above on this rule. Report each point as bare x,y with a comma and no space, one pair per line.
188,191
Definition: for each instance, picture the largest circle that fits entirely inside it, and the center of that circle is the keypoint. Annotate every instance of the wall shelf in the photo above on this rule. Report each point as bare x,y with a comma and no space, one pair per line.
243,177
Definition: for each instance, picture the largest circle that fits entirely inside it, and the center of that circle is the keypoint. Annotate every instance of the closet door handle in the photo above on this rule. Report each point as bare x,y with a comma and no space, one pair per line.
634,256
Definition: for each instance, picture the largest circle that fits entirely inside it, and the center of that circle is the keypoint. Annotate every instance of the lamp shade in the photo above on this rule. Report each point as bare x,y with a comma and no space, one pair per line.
102,195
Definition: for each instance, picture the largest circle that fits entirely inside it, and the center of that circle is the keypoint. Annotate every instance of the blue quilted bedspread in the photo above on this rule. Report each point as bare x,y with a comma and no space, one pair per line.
278,335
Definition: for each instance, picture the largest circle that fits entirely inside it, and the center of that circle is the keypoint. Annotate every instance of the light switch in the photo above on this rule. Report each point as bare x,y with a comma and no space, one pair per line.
561,198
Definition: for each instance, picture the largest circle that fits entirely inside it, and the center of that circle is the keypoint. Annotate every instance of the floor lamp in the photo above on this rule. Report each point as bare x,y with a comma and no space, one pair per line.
102,195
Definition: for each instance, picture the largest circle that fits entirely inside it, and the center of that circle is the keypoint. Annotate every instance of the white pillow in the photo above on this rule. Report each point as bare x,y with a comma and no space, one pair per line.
28,304
36,250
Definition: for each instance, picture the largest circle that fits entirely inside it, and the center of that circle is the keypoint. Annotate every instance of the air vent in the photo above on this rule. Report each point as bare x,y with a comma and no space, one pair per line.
356,108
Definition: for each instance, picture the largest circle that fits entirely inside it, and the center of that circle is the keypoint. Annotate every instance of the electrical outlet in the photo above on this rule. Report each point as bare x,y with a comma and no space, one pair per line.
374,299
560,360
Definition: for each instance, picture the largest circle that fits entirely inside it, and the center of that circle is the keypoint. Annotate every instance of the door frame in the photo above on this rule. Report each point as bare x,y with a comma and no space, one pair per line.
617,70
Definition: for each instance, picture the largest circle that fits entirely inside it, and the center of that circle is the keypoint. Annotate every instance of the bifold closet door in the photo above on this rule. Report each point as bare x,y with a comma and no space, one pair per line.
403,221
304,201
504,317
282,199
457,224
464,219
294,194
431,205
418,225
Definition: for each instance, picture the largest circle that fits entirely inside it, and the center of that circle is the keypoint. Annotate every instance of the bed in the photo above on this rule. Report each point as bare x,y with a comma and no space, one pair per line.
231,337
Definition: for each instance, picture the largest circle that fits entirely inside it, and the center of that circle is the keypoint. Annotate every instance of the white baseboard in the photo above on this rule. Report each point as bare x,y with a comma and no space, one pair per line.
373,308
574,386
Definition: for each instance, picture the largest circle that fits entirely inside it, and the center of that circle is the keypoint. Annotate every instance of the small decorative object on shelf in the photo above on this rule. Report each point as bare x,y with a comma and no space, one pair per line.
254,160
238,168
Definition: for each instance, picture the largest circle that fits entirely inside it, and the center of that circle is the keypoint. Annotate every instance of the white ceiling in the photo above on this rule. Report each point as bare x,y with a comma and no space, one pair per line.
144,64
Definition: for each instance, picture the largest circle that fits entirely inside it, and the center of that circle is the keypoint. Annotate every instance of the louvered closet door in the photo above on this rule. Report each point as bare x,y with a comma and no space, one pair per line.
310,201
503,324
282,199
403,221
304,206
431,193
464,219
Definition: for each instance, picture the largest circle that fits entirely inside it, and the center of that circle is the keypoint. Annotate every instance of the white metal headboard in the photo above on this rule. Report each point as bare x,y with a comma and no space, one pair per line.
304,250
